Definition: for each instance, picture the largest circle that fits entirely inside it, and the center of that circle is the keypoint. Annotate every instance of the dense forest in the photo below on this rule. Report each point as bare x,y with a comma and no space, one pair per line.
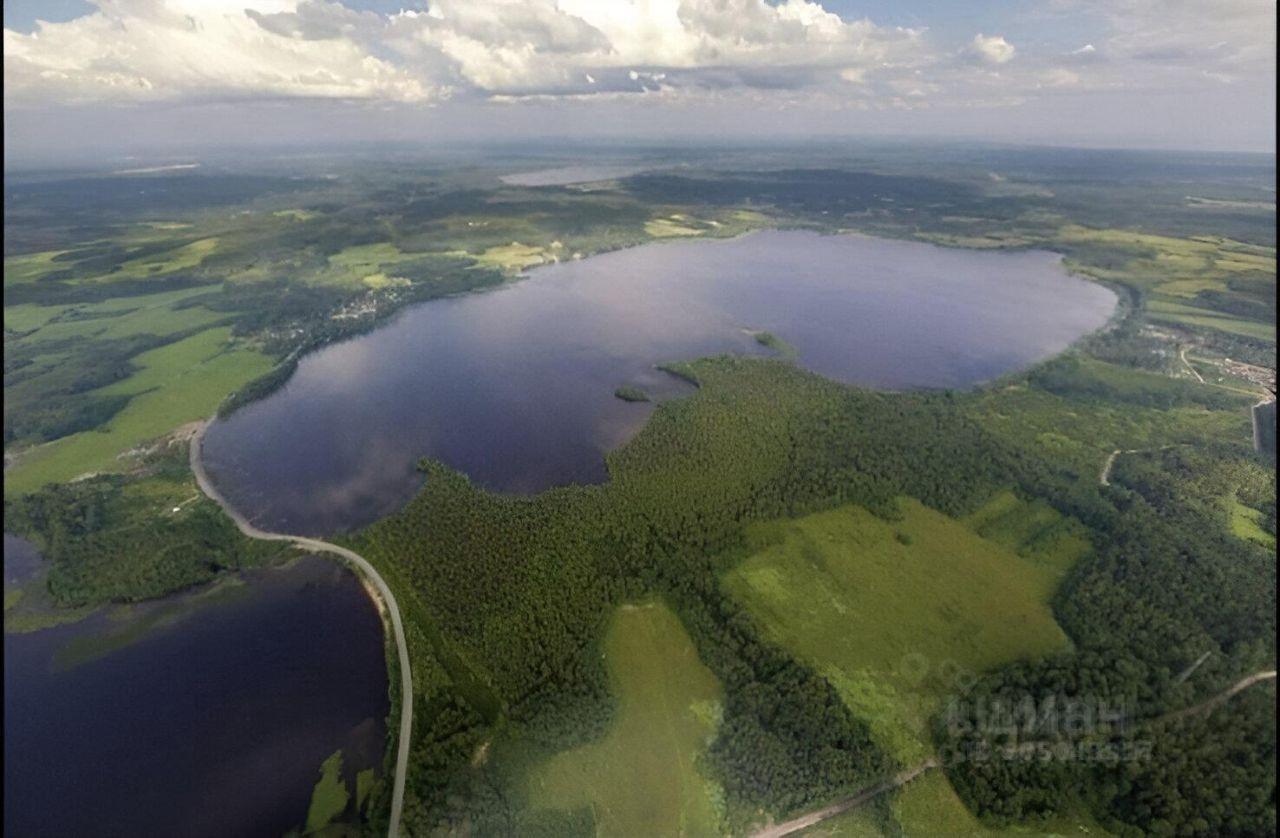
105,542
1170,609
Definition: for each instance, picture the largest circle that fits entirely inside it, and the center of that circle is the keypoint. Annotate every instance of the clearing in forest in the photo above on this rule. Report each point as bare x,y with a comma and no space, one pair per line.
898,614
642,778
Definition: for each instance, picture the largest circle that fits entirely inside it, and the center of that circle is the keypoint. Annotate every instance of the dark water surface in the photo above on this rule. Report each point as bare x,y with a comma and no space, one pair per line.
514,387
212,721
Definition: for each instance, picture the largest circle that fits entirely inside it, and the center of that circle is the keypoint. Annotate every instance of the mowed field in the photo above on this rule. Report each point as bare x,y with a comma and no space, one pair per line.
177,383
642,777
1205,282
899,614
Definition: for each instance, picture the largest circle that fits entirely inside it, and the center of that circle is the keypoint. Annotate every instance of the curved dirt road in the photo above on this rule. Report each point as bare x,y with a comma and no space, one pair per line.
1221,698
839,808
365,569
903,777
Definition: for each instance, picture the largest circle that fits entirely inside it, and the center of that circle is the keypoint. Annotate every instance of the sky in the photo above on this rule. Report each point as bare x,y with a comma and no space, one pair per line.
87,77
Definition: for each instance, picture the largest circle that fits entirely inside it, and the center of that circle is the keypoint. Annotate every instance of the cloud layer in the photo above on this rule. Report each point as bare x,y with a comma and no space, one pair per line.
157,49
780,53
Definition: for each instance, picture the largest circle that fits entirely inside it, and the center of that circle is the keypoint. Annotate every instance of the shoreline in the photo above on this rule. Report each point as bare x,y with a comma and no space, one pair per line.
373,583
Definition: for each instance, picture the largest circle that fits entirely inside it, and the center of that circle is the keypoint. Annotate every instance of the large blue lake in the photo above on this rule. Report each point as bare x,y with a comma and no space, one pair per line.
515,386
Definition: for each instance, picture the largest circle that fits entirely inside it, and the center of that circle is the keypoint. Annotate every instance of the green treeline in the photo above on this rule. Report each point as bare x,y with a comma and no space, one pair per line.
114,538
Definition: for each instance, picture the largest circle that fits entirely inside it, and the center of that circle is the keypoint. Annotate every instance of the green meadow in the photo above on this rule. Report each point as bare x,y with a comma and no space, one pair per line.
29,267
677,225
330,796
642,778
898,614
1036,531
515,257
1246,523
177,383
365,264
895,613
1195,316
119,317
183,257
28,317
929,806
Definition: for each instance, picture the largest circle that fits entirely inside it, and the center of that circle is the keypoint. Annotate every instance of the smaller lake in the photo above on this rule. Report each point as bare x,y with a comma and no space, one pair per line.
568,175
204,714
514,387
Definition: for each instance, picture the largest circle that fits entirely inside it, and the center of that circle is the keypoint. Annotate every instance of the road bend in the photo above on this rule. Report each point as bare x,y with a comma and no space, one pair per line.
365,569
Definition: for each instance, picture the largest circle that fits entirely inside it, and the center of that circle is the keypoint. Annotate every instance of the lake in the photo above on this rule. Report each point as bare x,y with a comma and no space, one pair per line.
514,387
569,175
204,714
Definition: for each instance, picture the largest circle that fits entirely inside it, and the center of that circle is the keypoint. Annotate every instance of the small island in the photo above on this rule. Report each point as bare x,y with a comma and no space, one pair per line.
777,344
631,394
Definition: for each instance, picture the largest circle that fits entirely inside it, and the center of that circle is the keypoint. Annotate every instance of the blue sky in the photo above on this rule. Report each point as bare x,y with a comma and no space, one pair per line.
22,14
1142,73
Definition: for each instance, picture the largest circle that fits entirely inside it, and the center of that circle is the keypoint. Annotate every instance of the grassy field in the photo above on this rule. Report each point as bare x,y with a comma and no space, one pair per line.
177,383
1205,287
370,265
330,796
154,314
642,778
515,257
180,258
893,613
929,806
1195,316
1077,433
1036,532
1246,523
150,318
184,255
29,317
29,267
673,226
898,614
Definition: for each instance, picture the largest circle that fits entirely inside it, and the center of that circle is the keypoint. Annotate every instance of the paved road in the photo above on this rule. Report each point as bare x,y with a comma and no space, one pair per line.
840,807
364,568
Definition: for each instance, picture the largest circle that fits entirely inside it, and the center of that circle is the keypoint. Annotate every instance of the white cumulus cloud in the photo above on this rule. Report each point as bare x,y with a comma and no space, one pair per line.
163,49
150,49
993,49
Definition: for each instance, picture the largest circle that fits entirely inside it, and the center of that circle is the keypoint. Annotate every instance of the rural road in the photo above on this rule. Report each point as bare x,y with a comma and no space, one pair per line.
1104,479
1204,706
364,568
839,808
902,778
1182,353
